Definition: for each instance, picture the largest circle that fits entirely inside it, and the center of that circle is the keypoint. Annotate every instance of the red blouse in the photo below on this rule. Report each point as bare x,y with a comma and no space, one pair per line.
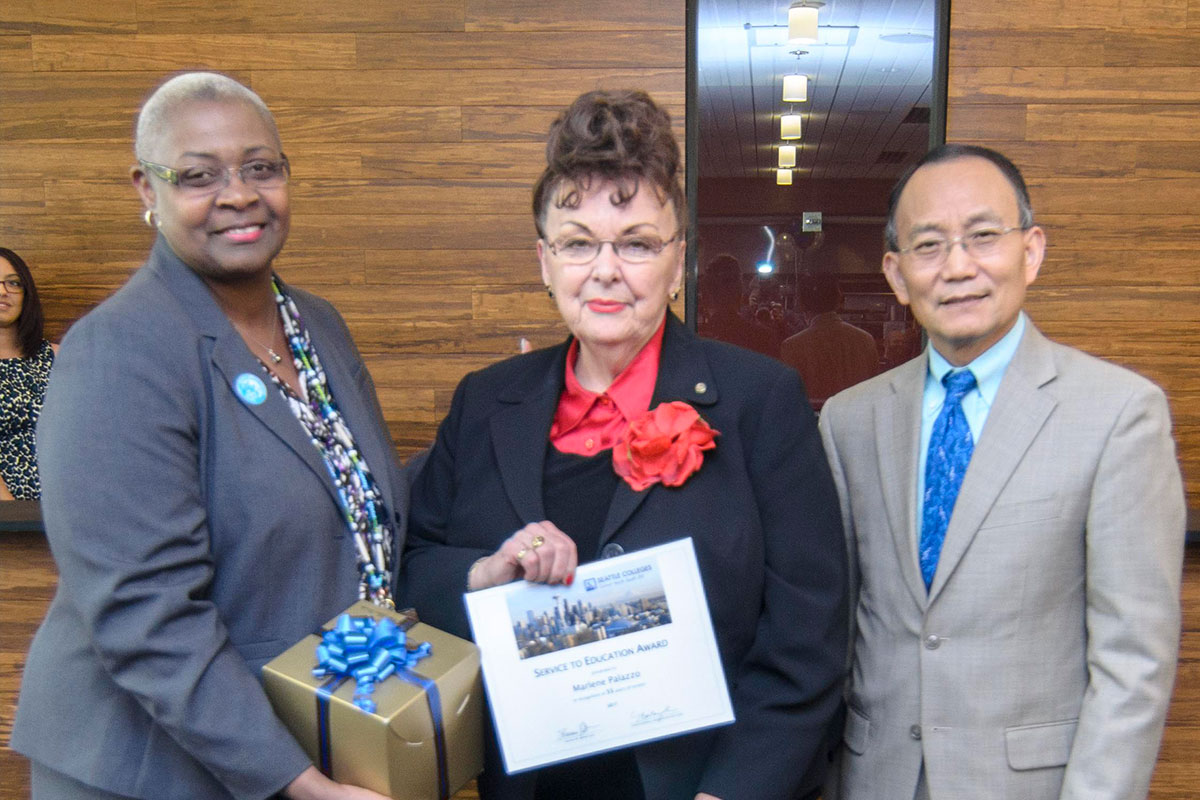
588,422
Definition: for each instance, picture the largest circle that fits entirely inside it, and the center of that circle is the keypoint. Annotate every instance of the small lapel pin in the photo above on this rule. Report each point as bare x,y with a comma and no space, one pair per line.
250,388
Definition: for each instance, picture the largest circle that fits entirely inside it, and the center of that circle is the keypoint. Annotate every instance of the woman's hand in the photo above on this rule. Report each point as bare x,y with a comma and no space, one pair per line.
539,552
312,785
706,796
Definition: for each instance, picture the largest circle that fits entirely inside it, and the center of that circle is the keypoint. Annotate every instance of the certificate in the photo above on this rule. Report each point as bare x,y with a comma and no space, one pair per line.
624,655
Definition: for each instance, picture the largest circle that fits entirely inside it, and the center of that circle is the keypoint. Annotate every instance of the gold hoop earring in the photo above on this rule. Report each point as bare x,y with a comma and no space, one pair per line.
674,295
150,218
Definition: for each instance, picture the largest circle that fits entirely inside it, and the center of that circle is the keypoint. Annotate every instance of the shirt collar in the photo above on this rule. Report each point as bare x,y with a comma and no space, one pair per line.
988,367
631,392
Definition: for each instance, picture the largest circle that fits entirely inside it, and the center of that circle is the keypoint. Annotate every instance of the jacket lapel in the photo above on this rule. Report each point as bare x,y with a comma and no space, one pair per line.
231,358
897,439
1018,413
683,374
521,432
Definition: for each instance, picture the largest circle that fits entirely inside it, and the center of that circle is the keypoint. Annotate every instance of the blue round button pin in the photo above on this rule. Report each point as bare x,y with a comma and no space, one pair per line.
250,388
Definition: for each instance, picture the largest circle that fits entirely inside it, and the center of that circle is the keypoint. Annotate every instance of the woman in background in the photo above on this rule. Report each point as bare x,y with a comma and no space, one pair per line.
531,474
25,361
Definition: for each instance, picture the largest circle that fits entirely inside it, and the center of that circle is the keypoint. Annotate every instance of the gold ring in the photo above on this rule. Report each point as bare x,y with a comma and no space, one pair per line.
537,542
521,553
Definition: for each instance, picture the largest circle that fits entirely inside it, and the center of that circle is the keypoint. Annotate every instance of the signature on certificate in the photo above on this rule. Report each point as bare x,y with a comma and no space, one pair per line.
578,734
655,715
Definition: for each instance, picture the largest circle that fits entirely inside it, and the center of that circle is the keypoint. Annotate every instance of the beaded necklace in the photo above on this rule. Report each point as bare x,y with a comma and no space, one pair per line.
358,494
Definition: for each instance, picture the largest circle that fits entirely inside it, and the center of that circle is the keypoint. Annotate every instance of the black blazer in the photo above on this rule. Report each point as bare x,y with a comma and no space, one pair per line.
762,512
196,536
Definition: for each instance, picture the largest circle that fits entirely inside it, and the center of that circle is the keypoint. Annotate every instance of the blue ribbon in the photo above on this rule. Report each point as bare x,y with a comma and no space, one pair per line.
433,698
369,652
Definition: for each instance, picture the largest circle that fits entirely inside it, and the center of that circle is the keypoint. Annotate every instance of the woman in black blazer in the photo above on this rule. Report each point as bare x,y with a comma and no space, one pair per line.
522,482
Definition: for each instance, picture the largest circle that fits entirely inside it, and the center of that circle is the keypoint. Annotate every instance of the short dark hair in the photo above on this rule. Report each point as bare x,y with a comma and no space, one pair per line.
620,136
952,152
31,322
820,293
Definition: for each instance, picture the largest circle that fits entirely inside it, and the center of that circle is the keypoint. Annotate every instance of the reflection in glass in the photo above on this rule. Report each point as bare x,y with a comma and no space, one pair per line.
809,292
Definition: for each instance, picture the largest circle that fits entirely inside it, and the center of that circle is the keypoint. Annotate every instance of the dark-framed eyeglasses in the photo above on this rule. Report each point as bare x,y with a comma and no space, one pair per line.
259,173
979,243
13,285
634,249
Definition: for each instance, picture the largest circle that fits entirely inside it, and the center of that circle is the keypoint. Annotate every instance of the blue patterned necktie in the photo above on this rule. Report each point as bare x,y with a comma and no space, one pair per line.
950,447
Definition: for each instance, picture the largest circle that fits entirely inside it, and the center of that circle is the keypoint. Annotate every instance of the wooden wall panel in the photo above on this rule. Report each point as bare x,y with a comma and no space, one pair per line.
1098,102
415,130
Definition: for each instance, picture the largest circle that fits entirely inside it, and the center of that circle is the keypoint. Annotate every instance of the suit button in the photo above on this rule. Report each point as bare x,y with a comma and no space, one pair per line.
915,731
612,550
932,642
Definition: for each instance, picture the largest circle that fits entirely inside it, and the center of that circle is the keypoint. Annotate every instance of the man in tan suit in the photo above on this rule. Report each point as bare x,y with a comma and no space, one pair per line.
1015,519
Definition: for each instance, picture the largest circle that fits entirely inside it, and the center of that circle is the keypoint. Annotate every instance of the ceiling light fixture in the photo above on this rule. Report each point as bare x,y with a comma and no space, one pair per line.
795,88
802,22
787,156
783,177
789,126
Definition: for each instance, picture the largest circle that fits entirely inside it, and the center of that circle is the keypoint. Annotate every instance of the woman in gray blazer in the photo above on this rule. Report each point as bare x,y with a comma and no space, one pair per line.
217,481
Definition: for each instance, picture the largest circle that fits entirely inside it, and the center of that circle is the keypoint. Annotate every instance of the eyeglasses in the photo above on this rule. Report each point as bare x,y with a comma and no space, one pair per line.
632,249
13,285
979,243
203,179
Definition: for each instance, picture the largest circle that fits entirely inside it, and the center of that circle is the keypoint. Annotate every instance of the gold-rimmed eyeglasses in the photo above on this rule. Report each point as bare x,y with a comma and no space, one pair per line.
262,173
634,249
979,243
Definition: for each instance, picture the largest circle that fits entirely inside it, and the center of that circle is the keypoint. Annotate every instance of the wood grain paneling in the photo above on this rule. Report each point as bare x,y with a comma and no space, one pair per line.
520,49
346,124
1107,267
444,267
159,53
567,16
16,53
992,122
1055,84
513,163
1112,122
462,87
428,196
68,16
1032,18
298,16
1118,198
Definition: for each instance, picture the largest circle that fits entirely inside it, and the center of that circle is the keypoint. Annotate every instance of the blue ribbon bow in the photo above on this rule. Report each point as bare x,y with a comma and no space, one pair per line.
369,652
366,650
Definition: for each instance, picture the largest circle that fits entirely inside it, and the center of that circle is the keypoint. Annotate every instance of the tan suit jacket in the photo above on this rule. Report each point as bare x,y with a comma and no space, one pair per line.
1040,663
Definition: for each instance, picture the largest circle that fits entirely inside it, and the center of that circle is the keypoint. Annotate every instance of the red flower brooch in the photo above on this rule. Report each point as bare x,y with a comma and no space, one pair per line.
664,445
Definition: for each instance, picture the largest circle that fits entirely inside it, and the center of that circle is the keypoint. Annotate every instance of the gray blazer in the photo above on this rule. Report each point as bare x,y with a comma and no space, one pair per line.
196,537
1040,664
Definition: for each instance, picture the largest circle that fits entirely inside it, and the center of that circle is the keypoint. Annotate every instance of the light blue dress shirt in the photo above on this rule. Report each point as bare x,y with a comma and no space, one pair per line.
989,370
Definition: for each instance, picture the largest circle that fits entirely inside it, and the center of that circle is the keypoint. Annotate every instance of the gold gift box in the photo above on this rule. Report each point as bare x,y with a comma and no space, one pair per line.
391,751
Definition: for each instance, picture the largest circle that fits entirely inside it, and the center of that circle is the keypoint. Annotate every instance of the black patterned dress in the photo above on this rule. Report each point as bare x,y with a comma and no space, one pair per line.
22,389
